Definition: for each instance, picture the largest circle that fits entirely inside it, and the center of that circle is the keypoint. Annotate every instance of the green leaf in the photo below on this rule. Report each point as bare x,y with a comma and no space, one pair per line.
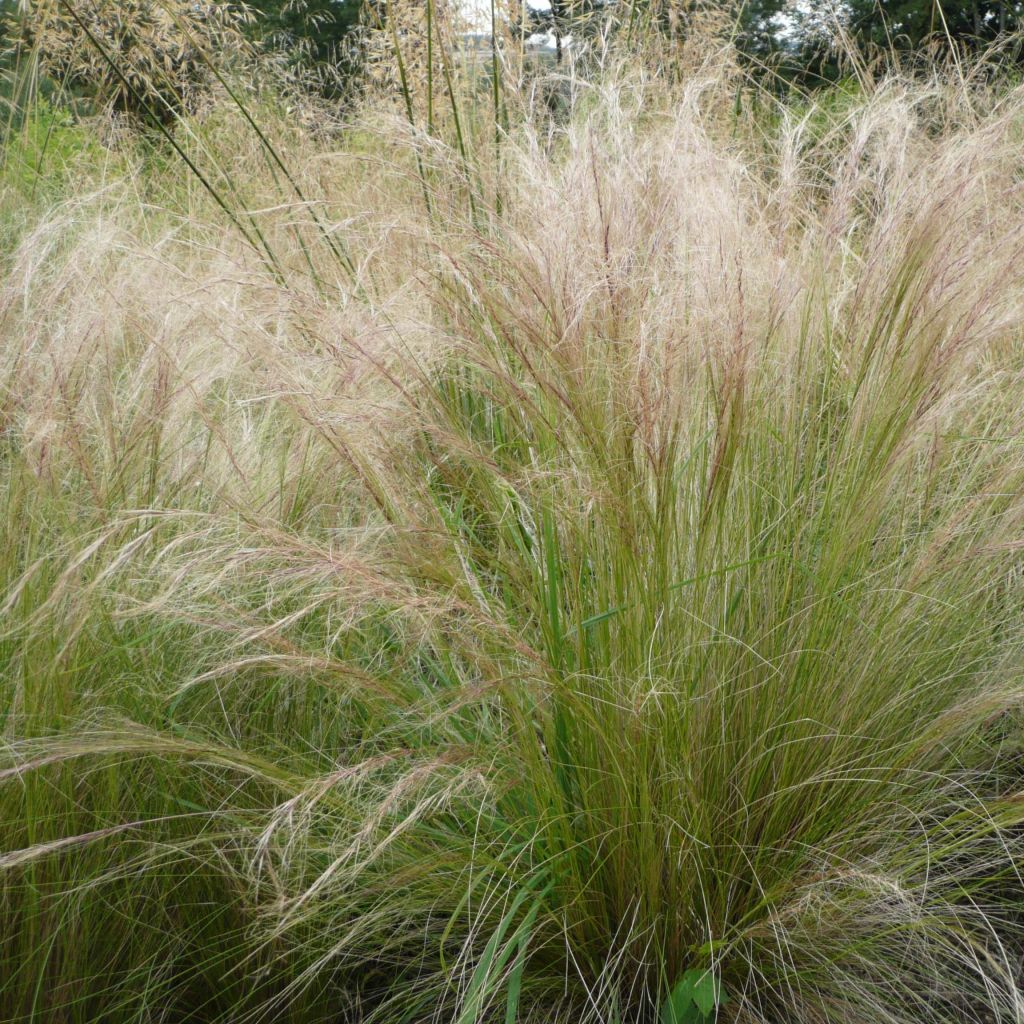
497,955
707,992
515,983
680,1008
694,999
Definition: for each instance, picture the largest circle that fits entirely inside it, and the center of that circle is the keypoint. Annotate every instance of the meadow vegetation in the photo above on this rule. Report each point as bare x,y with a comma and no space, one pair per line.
493,559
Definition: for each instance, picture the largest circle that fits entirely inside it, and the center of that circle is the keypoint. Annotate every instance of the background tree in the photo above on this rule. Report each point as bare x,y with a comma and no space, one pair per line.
754,23
908,24
319,35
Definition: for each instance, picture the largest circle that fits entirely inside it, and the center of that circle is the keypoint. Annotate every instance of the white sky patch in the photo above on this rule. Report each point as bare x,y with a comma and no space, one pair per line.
478,12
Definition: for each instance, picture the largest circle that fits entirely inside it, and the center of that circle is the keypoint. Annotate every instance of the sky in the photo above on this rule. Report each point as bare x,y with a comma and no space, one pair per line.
479,11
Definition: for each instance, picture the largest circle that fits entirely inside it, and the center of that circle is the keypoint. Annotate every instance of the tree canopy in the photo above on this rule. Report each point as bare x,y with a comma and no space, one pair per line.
797,31
318,26
909,23
315,32
318,34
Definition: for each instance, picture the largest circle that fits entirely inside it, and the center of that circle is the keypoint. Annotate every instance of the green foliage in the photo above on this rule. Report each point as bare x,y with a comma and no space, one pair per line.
820,34
44,150
320,35
751,23
909,23
694,999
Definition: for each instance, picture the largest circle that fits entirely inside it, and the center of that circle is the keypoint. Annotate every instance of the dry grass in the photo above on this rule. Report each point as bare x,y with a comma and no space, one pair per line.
609,569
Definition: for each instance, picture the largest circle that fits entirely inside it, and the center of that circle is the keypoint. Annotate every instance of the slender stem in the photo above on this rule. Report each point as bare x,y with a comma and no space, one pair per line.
147,108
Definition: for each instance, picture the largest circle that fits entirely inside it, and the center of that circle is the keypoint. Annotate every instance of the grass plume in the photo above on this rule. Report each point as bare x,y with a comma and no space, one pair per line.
565,595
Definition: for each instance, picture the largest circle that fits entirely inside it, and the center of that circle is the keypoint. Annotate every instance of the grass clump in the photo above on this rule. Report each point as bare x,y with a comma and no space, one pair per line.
599,604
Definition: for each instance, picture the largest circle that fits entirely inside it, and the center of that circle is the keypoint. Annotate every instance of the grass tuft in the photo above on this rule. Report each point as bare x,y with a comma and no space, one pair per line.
598,603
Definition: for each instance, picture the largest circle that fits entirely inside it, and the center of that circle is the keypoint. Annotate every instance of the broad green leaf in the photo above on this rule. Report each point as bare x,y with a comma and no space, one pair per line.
707,991
680,1008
